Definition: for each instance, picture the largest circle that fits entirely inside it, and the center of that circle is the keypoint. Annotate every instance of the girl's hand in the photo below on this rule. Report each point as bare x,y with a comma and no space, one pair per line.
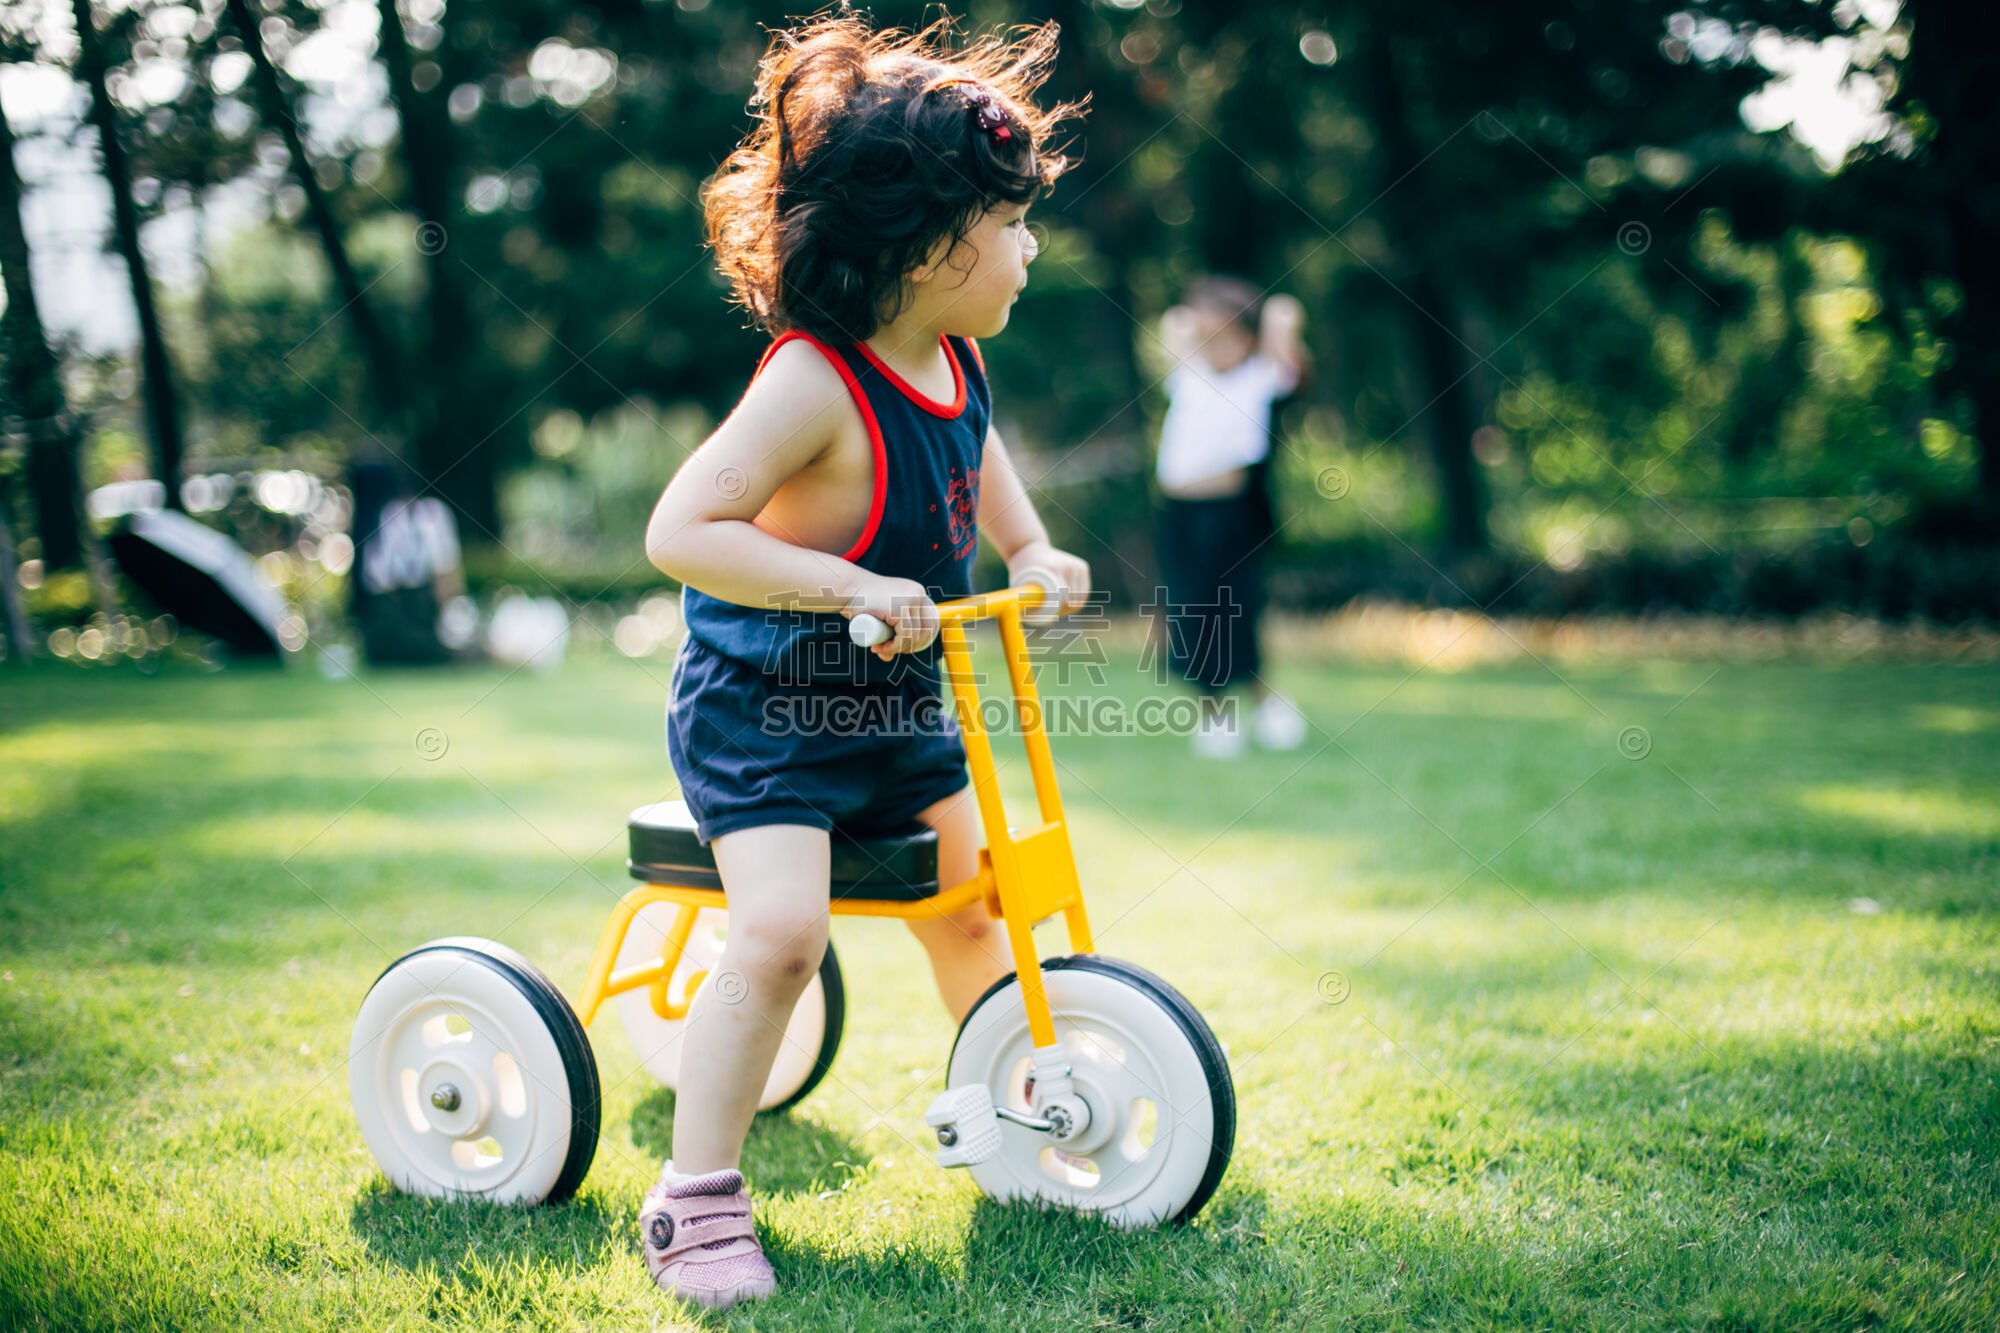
1042,562
905,605
1284,316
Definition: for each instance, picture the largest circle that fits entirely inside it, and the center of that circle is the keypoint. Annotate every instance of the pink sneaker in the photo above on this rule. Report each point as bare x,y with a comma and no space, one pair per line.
699,1243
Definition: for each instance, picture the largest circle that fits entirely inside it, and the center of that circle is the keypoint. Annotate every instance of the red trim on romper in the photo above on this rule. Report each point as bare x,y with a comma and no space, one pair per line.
881,495
930,405
977,355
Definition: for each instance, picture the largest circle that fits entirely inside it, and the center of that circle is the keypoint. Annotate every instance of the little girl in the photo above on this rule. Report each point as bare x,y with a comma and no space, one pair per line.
1235,354
874,223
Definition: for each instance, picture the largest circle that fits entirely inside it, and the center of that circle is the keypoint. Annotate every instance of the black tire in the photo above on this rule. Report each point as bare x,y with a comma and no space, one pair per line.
579,1064
1221,1087
835,993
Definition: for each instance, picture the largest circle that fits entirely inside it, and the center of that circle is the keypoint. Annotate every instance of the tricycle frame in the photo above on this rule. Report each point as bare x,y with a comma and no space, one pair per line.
1025,875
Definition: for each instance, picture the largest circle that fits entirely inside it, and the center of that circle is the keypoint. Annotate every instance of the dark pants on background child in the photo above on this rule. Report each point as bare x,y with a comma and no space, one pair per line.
1211,556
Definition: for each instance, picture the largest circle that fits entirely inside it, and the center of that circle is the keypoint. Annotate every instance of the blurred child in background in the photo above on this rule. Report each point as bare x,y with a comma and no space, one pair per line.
1234,355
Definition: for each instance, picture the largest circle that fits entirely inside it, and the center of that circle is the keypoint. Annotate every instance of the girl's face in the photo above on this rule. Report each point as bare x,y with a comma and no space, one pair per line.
976,287
1223,338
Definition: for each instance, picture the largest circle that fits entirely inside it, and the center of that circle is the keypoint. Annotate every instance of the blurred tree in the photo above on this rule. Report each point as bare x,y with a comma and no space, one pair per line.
385,374
1505,169
33,388
162,414
1928,201
31,392
1566,302
456,453
13,612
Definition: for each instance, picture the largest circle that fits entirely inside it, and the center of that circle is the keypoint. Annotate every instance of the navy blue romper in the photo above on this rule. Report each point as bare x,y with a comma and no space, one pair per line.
775,716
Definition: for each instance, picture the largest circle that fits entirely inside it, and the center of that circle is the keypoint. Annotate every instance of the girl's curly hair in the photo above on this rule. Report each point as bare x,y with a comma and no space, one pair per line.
1236,298
865,156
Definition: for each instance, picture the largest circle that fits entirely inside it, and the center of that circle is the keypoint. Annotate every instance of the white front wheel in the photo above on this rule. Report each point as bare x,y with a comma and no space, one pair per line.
1162,1104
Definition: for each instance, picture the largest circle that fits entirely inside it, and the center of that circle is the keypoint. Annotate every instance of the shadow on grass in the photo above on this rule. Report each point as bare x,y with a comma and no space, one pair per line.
417,1233
1018,1258
1022,1261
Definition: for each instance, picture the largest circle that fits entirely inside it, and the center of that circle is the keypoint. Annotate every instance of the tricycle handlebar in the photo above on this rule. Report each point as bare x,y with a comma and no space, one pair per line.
867,630
982,605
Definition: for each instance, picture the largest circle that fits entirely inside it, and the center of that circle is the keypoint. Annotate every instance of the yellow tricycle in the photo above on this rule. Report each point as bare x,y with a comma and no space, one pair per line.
1080,1080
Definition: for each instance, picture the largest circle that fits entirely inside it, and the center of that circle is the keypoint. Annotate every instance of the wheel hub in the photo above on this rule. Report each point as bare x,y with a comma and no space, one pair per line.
454,1100
1074,1123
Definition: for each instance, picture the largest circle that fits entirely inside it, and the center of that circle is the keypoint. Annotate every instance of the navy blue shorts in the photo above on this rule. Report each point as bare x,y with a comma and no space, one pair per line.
750,749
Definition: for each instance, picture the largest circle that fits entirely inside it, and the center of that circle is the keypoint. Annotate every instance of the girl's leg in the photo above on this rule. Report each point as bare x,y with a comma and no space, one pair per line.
1189,590
777,877
968,949
1240,545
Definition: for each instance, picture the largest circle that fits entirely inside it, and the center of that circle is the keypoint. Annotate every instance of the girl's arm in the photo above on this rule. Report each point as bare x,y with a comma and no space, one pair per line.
1008,519
1177,336
1278,335
701,533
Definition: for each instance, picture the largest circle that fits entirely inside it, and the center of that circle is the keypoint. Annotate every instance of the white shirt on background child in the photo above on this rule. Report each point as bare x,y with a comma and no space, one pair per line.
1219,420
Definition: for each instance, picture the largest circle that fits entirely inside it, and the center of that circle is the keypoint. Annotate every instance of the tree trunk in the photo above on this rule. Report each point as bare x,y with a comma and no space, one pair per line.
35,384
455,453
1443,375
19,645
161,413
1954,58
384,363
20,648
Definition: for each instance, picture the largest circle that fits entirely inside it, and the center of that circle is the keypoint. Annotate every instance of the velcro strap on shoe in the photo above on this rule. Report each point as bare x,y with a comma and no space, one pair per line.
694,1237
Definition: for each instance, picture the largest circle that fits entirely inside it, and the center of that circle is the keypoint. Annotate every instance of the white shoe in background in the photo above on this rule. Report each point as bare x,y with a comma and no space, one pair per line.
1220,736
1279,724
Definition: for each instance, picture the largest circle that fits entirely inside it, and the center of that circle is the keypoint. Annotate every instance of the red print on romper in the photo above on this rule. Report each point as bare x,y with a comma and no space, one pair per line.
961,497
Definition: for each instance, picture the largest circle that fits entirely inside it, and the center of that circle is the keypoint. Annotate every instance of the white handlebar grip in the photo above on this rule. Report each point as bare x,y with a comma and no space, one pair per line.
1050,606
867,630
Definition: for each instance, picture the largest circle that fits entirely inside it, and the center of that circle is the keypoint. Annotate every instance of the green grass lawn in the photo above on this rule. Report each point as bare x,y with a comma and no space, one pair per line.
1702,1038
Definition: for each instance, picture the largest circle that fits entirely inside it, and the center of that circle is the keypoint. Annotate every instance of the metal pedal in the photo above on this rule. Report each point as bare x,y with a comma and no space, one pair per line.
968,1131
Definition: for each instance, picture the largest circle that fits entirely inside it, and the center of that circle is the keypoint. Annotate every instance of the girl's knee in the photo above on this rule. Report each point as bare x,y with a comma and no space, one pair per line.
786,946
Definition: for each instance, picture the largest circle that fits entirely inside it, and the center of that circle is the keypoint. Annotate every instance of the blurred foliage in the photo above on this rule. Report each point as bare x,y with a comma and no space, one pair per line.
1581,334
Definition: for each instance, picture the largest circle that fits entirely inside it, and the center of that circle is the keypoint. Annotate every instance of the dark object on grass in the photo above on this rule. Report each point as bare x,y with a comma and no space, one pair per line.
205,580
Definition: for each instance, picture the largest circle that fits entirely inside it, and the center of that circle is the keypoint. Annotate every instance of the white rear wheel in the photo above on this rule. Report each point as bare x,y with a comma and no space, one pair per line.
811,1037
470,1076
1162,1105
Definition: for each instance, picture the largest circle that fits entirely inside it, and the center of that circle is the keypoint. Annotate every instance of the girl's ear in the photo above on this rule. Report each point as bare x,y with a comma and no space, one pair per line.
927,270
